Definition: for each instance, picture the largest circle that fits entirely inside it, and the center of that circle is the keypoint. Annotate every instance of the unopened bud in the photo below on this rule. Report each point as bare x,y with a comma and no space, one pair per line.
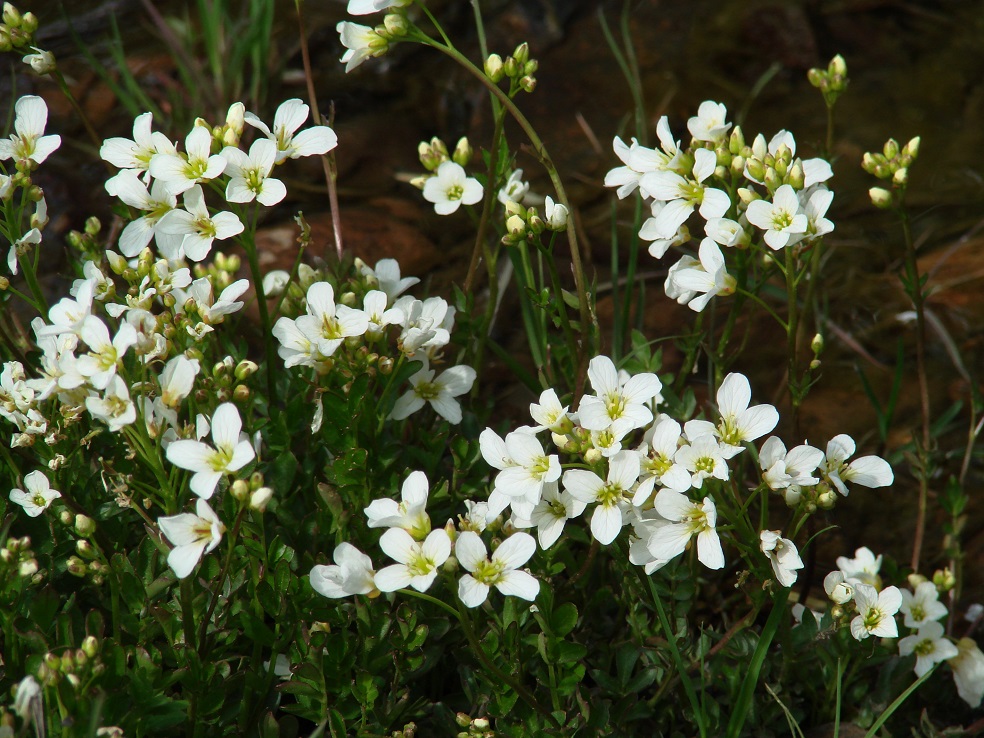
816,345
241,393
527,83
90,646
891,148
84,525
880,197
246,368
593,455
900,177
755,169
85,549
396,24
912,148
260,498
462,152
944,580
240,489
522,54
837,66
92,225
494,68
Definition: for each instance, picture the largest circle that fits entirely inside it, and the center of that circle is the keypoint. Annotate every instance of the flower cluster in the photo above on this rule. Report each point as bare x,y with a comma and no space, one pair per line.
781,199
855,588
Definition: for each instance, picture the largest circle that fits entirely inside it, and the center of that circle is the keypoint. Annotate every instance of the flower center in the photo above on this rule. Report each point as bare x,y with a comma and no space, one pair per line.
455,192
488,572
419,565
610,495
428,390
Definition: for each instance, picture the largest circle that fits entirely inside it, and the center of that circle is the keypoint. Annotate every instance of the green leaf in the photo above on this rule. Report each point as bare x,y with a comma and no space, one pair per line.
336,724
256,629
563,619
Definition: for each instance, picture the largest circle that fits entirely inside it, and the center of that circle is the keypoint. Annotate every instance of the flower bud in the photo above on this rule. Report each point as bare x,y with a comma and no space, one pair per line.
241,393
239,489
90,646
817,78
755,169
11,15
816,345
510,68
522,54
462,152
260,498
880,197
246,368
396,24
530,68
527,83
944,580
65,517
92,226
85,549
837,66
891,148
593,455
868,162
28,568
912,148
494,68
516,226
837,588
900,177
795,176
84,525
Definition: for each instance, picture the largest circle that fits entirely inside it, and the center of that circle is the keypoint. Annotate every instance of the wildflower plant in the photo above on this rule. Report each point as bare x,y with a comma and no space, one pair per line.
318,518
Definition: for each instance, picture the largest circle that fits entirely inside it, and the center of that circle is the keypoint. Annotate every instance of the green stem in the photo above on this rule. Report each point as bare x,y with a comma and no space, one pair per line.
792,380
489,199
547,162
249,246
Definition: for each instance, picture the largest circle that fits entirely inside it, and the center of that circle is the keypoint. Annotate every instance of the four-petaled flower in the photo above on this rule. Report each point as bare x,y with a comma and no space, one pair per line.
192,535
439,391
351,574
232,451
501,571
876,612
28,143
451,187
37,496
417,562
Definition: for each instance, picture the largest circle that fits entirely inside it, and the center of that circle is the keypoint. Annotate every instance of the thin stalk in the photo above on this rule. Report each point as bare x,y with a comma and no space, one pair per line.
249,246
488,200
792,322
203,632
63,86
327,160
916,295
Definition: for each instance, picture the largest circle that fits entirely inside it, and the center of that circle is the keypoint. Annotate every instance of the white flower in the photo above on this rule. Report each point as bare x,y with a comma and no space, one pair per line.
683,195
387,276
781,219
868,471
232,451
660,445
514,190
704,457
710,123
417,562
697,282
361,41
439,391
524,467
22,246
374,306
99,365
876,612
159,201
38,496
178,379
687,519
616,397
28,703
328,324
611,495
550,414
410,514
930,646
968,672
501,572
191,535
739,423
365,7
782,469
862,568
181,172
783,556
922,606
551,514
250,174
275,282
816,210
28,142
197,227
838,588
450,187
555,214
290,116
114,408
135,153
41,61
351,574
